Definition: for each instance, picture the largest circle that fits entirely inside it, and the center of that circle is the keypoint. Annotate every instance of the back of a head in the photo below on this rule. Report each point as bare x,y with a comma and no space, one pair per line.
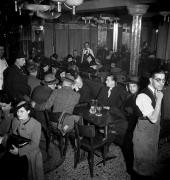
68,80
54,56
78,82
32,68
4,98
18,55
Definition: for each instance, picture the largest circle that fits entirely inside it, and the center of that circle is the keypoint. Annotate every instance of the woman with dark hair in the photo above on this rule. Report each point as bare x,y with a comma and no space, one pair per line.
89,64
26,126
69,61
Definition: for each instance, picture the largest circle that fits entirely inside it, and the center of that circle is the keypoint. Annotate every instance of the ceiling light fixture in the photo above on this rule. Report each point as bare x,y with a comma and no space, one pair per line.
50,9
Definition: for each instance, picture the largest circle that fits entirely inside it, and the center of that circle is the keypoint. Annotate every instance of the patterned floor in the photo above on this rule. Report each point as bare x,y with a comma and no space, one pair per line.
114,168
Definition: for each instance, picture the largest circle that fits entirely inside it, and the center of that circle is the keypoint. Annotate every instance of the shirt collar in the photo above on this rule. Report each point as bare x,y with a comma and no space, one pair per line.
151,88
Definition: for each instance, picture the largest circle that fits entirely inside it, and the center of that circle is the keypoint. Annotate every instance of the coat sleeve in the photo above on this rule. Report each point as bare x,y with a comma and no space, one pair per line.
35,140
48,104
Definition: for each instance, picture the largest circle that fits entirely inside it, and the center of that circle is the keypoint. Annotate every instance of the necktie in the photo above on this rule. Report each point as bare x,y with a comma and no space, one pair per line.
109,92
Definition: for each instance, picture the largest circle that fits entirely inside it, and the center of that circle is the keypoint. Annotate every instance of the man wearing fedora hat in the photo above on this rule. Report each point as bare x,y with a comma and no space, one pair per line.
16,79
63,99
41,93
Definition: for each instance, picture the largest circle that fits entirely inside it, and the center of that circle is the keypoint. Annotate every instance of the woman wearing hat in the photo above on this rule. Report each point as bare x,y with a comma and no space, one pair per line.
25,160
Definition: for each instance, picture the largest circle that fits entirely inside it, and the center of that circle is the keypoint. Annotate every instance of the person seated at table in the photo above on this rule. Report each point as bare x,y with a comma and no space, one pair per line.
88,89
54,61
63,99
41,93
111,98
112,95
76,57
26,161
68,61
89,64
44,69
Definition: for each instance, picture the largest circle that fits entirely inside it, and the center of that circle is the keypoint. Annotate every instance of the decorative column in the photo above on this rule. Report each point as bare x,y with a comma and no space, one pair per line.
115,34
137,12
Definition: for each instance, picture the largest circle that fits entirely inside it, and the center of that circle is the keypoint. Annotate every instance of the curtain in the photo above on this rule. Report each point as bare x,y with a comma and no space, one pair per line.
102,35
162,41
64,38
78,34
167,58
48,40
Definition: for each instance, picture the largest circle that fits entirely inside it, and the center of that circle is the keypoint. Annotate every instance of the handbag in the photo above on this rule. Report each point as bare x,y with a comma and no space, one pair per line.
17,140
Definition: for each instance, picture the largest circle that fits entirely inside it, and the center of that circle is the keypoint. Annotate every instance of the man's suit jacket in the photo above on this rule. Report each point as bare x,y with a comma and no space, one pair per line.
61,100
40,95
16,83
116,99
90,90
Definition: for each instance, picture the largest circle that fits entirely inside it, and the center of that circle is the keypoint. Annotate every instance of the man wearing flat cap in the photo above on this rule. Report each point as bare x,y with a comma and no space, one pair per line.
42,92
15,79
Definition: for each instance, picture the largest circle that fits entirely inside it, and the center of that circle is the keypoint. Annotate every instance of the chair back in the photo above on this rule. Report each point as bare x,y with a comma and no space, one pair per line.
52,122
54,116
87,139
84,132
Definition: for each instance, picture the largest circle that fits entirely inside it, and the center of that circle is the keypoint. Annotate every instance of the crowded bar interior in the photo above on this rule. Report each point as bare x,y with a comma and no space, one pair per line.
84,89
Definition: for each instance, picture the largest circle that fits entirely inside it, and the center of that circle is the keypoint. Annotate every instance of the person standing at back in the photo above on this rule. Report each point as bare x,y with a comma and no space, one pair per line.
3,65
16,80
133,88
146,133
86,51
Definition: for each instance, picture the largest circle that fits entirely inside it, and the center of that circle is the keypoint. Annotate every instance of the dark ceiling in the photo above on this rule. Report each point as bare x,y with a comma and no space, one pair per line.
9,18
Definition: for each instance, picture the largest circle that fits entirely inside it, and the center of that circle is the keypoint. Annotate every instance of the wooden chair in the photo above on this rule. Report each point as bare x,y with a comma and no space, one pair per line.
54,133
86,139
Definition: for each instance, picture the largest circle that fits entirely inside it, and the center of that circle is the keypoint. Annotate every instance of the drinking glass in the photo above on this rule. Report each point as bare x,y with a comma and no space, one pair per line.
98,110
93,106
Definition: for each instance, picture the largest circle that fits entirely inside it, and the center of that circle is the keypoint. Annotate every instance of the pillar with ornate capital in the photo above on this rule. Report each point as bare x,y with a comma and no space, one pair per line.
137,12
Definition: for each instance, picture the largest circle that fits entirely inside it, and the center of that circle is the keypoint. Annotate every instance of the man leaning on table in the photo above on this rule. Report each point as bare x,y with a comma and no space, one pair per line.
112,95
112,98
